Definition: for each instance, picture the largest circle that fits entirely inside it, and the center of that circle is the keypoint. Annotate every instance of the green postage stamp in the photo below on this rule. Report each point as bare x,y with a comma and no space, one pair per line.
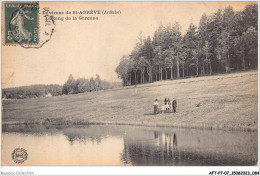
21,23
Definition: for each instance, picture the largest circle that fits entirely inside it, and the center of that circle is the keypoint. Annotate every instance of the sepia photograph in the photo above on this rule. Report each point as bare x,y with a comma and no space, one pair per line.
154,83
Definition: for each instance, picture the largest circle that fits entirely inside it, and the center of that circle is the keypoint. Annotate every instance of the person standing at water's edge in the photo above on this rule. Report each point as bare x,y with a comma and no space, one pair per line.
167,107
174,104
155,106
166,100
163,108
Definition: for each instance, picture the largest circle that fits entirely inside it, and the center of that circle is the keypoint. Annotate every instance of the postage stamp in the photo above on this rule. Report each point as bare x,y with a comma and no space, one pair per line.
21,23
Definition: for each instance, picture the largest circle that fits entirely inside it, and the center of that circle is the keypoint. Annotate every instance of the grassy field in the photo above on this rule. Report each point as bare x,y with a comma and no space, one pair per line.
227,101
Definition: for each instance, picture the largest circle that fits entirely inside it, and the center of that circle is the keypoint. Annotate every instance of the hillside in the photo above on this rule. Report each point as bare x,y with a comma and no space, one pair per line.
227,101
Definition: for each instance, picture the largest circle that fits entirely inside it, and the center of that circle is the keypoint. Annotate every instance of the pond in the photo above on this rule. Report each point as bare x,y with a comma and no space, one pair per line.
111,145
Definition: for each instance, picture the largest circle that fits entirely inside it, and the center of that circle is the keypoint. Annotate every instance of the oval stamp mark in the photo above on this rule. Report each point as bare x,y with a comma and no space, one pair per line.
19,155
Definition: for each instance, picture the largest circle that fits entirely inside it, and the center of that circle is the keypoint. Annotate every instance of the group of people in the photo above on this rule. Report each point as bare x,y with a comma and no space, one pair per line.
167,106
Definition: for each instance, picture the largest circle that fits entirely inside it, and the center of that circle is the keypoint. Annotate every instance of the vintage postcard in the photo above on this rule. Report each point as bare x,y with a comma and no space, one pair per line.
129,83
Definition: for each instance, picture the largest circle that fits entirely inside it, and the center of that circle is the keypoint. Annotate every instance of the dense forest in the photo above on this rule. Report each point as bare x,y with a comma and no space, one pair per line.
71,86
224,41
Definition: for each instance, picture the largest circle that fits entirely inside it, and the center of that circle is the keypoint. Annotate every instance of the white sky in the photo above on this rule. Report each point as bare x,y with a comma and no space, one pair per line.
86,48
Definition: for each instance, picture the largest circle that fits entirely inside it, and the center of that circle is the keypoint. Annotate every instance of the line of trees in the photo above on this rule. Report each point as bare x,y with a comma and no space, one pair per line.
82,85
224,41
71,86
34,91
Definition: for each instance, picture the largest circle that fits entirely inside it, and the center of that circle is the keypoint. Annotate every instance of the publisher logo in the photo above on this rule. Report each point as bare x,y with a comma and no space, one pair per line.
19,155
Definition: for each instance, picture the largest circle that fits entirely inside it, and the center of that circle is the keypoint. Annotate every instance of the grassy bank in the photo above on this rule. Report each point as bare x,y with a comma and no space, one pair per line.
226,101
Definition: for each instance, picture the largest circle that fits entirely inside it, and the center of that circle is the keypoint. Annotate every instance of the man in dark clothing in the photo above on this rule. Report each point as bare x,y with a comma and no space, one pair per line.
174,104
166,100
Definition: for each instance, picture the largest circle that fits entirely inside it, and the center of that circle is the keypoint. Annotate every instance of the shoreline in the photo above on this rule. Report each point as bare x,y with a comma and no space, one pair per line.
86,123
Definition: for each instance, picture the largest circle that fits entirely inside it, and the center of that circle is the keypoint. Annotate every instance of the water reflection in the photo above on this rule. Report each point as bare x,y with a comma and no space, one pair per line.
162,151
128,145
